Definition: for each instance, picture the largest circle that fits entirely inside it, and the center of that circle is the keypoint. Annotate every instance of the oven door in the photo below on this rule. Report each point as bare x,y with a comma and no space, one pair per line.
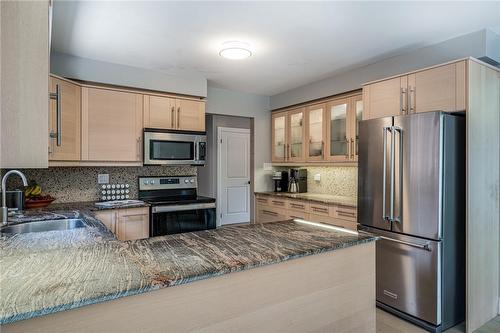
164,148
174,219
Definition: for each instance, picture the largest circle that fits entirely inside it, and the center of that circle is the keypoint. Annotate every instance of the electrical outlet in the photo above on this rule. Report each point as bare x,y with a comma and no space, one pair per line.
317,177
103,178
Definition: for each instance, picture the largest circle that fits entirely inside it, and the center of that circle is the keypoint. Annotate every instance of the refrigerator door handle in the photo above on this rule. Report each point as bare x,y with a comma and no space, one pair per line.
397,130
384,173
391,204
425,246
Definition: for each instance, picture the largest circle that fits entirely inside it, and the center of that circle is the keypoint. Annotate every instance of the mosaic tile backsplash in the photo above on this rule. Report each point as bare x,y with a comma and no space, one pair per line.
75,184
334,180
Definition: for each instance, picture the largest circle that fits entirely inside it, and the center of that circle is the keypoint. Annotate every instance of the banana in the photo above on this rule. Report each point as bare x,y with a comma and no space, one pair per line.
36,191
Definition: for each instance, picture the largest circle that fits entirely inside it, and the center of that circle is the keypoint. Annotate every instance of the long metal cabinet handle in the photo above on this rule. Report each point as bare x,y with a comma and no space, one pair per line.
57,97
352,148
419,246
393,142
402,108
173,116
178,117
410,105
346,148
384,172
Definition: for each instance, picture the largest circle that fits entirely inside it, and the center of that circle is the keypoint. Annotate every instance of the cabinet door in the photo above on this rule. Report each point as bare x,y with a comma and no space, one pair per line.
268,214
438,88
315,120
111,125
132,223
385,98
278,123
70,112
108,218
296,135
338,130
355,116
190,115
159,112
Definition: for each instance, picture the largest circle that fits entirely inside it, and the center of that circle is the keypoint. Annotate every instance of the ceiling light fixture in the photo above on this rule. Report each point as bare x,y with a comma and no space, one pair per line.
235,50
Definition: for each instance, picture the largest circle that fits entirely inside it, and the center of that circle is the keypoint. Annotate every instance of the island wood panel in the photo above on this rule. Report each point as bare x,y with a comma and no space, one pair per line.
329,292
483,212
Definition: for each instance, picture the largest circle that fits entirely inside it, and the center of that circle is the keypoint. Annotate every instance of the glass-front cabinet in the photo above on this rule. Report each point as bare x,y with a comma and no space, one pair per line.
288,134
279,136
315,116
342,128
322,132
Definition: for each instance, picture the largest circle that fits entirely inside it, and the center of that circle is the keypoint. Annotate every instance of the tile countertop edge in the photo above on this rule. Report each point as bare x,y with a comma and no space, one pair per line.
327,199
157,286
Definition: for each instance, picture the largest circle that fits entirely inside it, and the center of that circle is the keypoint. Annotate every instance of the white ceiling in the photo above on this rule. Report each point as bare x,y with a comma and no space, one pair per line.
294,43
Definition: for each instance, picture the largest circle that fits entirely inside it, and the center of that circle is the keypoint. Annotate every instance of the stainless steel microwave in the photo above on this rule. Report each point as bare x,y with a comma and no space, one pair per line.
171,147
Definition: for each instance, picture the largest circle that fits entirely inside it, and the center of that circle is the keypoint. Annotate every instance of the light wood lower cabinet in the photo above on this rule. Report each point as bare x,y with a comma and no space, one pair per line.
272,209
127,223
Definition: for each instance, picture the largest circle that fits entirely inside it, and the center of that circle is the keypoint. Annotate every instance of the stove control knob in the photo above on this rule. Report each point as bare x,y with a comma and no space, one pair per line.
186,181
152,182
192,181
146,182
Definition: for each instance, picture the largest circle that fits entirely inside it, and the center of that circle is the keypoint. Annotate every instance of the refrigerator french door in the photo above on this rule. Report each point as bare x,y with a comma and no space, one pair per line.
411,193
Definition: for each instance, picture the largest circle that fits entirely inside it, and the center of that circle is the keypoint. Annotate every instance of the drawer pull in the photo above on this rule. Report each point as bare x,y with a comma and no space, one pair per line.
280,203
134,215
297,206
340,212
318,209
270,213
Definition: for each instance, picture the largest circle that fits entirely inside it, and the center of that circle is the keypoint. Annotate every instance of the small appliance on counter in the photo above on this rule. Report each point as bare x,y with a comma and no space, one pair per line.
298,181
175,205
280,181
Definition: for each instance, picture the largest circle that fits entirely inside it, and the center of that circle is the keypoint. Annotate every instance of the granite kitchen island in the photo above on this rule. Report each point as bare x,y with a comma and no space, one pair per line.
236,277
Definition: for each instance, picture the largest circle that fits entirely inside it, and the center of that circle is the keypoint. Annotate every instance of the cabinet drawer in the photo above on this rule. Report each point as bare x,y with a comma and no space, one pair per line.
298,205
319,209
278,203
266,214
297,215
320,218
262,200
133,212
345,213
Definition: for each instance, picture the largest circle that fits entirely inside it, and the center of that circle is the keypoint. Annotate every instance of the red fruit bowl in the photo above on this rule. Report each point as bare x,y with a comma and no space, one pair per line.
38,203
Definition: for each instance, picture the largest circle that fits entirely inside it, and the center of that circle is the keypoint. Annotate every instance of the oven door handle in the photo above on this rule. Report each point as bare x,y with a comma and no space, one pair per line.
178,208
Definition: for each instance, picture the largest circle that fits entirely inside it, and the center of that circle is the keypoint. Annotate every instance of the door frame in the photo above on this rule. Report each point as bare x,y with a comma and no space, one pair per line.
219,176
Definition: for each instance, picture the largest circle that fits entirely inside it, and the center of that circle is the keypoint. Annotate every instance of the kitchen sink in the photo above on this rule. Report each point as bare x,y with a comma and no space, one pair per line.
41,226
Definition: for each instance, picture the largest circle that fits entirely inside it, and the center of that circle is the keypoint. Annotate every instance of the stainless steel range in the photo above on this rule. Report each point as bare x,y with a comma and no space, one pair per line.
175,205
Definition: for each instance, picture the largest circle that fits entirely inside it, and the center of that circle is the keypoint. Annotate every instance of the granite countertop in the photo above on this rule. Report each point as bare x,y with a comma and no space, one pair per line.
47,272
316,197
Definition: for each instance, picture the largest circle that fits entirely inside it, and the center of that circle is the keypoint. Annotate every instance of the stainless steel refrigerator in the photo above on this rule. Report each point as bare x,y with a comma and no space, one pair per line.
411,193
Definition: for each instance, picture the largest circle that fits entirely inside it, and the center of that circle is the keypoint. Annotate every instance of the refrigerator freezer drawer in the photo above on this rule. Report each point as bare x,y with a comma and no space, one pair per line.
409,274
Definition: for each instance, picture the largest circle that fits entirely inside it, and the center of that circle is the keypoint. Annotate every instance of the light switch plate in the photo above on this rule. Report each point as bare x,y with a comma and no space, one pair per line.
103,178
317,177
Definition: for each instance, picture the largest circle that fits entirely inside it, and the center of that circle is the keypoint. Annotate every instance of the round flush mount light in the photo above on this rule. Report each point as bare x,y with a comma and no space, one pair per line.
235,50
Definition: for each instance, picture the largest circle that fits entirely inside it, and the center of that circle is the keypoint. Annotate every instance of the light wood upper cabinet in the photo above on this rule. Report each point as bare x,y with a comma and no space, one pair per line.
296,135
279,136
159,112
190,115
70,113
385,98
437,88
315,132
173,113
356,116
111,125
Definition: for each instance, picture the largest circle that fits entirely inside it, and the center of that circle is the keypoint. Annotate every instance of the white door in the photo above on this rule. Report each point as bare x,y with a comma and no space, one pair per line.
233,181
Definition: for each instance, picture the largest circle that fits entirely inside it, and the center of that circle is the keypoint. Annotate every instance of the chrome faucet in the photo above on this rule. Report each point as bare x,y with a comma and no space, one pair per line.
5,211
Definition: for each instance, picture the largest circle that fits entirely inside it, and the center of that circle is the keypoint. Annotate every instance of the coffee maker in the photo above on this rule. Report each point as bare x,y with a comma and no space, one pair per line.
280,181
298,181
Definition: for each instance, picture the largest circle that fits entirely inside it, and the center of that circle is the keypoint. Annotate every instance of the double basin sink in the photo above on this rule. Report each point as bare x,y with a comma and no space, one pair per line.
42,226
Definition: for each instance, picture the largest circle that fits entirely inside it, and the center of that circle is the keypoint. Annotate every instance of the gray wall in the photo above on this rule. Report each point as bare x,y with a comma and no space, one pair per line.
228,102
478,44
128,76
